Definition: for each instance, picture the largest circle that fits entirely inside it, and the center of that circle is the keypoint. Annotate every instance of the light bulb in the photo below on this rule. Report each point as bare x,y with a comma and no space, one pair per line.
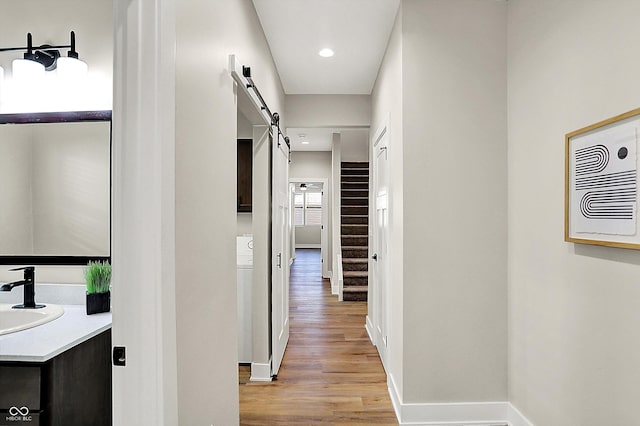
326,53
27,71
71,68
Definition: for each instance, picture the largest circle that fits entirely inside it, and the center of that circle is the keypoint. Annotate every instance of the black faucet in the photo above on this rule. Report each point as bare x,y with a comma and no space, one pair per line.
28,282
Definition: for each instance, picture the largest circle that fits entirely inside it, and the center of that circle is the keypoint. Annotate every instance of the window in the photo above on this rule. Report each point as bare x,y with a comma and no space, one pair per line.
307,208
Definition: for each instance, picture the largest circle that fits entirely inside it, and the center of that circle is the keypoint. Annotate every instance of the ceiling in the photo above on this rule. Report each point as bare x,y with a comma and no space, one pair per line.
321,138
356,30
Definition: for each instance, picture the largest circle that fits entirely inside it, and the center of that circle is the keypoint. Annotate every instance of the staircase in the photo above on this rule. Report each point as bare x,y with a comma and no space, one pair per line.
354,230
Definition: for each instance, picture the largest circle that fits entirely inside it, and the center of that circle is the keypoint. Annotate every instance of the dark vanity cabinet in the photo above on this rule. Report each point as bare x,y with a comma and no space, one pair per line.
72,389
245,167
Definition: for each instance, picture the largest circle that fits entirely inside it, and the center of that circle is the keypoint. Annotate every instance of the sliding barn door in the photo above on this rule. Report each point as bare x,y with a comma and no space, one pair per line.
280,253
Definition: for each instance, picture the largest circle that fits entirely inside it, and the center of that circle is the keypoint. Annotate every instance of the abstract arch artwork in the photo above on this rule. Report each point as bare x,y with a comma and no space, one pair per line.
601,183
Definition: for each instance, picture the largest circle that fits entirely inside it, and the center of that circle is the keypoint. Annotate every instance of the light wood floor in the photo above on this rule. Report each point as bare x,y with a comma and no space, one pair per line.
331,373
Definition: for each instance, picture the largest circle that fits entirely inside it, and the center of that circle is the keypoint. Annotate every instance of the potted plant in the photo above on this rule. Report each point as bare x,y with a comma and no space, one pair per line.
98,278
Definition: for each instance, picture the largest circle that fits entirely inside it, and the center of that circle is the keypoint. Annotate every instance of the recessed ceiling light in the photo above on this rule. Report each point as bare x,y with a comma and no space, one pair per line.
305,142
326,53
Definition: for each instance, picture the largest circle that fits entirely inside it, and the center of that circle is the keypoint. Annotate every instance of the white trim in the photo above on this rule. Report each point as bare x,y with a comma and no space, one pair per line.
369,327
308,246
492,413
339,277
235,69
516,418
260,372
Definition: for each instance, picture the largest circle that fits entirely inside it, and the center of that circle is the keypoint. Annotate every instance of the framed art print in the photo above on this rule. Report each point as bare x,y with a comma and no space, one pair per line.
601,183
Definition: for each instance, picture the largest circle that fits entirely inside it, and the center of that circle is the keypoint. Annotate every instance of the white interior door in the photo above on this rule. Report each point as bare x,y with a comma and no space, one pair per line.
280,253
380,246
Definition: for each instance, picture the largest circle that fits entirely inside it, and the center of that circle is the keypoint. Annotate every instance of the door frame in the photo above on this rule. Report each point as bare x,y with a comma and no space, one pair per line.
324,234
378,312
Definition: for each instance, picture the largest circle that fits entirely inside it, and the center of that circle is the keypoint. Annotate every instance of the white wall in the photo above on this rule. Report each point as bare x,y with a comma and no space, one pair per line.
308,235
71,189
328,110
387,112
574,344
455,203
442,91
205,248
16,214
354,145
310,164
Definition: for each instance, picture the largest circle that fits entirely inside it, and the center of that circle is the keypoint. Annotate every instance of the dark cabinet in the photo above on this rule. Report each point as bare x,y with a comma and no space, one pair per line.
245,175
72,389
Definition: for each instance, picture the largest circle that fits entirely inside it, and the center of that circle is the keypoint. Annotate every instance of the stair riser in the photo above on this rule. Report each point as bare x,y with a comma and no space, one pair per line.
357,210
354,230
354,297
364,266
355,193
355,253
350,220
354,164
354,201
356,178
347,281
354,241
358,171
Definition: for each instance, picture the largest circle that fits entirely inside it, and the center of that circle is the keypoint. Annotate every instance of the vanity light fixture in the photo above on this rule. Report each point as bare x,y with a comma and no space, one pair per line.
326,53
37,60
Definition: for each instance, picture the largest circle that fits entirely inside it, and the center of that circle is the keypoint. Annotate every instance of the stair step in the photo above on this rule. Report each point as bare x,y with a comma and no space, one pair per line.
354,260
354,164
354,210
355,240
355,178
354,201
354,229
354,193
354,293
361,252
353,171
355,264
354,219
351,281
355,274
354,288
363,186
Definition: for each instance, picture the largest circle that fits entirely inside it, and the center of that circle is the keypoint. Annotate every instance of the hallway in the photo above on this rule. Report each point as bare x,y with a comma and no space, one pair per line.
331,373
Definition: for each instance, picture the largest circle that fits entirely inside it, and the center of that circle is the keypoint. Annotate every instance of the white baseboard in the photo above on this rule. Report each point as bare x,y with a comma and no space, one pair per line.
516,418
369,327
334,286
260,372
455,414
308,246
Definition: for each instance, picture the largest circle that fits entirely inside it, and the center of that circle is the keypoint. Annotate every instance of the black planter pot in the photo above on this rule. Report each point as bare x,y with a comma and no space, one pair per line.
98,302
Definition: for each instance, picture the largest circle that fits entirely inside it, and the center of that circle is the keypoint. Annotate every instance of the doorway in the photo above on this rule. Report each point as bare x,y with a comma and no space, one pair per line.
310,214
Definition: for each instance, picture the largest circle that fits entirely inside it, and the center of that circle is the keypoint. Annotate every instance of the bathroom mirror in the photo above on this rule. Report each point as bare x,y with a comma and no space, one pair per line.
55,188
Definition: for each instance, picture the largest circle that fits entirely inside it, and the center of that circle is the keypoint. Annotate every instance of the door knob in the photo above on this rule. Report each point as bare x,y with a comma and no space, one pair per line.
375,257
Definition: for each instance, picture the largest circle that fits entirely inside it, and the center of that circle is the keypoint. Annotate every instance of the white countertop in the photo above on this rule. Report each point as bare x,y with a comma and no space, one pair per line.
42,343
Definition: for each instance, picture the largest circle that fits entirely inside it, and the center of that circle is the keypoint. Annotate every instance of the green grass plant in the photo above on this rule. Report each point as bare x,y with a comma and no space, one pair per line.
98,277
